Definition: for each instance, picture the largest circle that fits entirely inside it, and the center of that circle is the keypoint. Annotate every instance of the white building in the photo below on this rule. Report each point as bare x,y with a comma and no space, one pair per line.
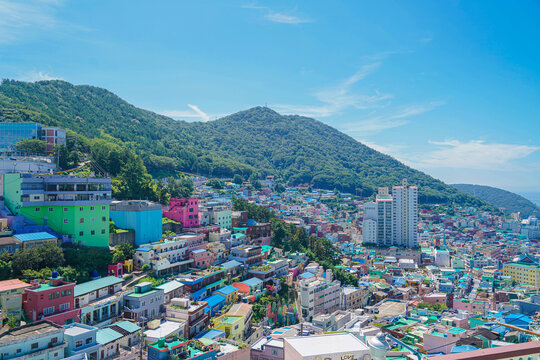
319,296
369,231
405,215
384,217
342,346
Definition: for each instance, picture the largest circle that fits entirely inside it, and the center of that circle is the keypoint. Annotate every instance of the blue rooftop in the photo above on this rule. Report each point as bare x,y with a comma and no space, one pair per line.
143,249
198,251
231,264
227,290
306,275
215,300
34,236
253,282
211,334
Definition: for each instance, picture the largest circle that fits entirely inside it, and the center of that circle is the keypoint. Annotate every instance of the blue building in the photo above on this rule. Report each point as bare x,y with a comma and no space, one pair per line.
189,350
145,217
215,303
11,133
81,339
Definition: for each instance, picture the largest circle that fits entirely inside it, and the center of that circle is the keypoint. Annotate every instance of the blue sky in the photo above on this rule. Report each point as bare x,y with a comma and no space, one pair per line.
449,87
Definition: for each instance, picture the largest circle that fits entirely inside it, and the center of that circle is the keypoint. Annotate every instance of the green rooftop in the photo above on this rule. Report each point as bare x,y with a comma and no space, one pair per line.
43,287
456,331
138,295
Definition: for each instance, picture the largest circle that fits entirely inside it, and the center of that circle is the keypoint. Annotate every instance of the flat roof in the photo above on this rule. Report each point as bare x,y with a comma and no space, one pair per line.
77,329
30,330
34,236
326,344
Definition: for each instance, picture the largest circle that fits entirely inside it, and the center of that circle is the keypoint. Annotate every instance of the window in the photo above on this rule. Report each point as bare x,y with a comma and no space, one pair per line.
54,340
65,221
92,208
81,209
65,209
63,307
103,231
93,232
50,209
81,233
88,341
103,218
78,344
48,310
66,292
38,209
54,295
81,220
19,351
91,219
34,346
103,207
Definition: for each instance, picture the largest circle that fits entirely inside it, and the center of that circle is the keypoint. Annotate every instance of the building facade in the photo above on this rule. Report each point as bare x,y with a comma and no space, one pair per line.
52,301
75,207
184,210
145,217
405,215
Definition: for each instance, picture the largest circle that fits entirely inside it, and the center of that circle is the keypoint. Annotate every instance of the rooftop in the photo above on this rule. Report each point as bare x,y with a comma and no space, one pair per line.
12,284
326,344
34,236
93,285
35,329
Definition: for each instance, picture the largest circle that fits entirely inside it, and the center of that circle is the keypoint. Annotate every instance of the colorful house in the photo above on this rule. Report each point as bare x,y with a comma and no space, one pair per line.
145,217
38,340
11,292
71,206
233,325
228,291
189,350
184,210
52,301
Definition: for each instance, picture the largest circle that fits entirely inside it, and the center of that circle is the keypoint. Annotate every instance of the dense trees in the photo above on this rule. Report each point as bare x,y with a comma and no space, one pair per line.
501,199
251,143
32,146
255,212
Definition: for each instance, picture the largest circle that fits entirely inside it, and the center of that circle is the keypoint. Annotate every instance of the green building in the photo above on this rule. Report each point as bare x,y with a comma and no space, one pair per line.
71,206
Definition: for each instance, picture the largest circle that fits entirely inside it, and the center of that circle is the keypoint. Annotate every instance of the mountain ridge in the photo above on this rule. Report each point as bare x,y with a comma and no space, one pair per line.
259,140
501,198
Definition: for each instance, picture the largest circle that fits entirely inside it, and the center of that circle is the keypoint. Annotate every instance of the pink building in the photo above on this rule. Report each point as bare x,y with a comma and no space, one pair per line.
202,258
468,305
435,298
52,302
442,340
185,211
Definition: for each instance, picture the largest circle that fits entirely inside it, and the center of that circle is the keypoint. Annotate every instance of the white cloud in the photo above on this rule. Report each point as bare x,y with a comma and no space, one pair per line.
286,19
277,17
16,16
339,97
475,154
38,76
383,122
195,113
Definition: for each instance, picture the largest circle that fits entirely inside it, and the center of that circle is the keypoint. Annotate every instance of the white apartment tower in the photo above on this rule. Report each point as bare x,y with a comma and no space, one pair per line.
405,215
369,225
384,217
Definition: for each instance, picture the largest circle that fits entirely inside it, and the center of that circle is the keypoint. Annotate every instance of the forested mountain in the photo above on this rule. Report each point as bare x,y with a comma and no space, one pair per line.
500,198
298,150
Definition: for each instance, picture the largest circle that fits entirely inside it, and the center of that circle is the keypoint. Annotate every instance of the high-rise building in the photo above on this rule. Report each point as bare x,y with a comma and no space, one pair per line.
405,215
12,133
384,217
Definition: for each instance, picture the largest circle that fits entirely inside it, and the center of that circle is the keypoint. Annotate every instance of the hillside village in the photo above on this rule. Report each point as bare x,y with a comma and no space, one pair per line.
252,269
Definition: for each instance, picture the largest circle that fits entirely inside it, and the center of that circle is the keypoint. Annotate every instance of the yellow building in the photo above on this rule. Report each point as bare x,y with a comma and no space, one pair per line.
233,325
523,273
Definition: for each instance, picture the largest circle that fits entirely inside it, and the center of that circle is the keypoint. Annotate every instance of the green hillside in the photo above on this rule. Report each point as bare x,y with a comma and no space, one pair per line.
296,149
500,198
